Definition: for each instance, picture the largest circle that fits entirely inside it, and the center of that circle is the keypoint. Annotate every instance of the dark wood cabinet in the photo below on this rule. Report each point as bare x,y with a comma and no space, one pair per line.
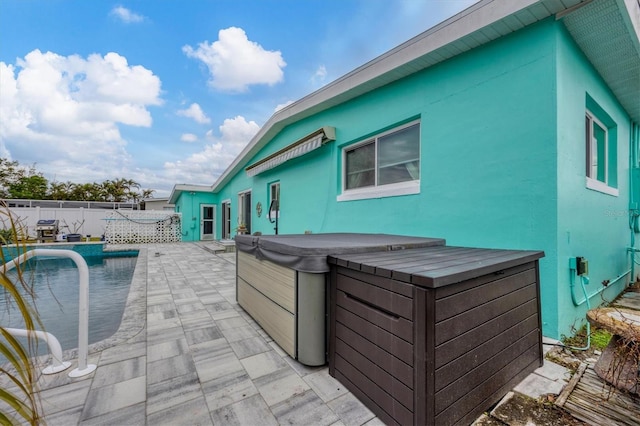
434,335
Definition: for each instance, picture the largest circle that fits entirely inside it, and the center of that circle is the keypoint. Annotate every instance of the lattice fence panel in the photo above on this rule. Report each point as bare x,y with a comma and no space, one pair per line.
139,227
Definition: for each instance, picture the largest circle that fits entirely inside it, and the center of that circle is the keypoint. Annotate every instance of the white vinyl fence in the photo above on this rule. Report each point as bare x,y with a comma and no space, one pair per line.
118,226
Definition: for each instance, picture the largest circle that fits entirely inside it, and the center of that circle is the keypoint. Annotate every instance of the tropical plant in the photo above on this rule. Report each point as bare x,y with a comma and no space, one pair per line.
19,402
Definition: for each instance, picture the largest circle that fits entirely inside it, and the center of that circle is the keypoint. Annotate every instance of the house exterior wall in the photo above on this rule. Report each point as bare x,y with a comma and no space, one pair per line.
488,156
189,204
502,164
591,224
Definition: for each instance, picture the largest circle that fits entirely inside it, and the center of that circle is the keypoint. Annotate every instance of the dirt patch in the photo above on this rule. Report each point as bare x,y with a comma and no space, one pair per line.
521,410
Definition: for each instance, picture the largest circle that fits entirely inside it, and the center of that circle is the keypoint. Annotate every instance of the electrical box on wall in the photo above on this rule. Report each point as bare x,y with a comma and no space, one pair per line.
582,266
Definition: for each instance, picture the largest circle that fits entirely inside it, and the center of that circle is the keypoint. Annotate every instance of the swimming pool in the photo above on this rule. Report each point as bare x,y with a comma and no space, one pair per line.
56,286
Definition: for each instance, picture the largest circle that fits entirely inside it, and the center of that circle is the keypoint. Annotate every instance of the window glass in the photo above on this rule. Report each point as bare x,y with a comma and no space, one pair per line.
360,166
399,156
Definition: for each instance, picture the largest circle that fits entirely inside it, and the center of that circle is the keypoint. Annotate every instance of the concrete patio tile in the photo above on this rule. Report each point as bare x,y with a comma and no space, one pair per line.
175,391
280,386
120,371
535,386
374,422
193,412
228,389
350,410
232,323
325,386
239,333
122,352
553,371
226,314
134,415
216,362
114,397
249,347
304,409
263,364
169,368
62,398
167,349
66,417
204,334
160,335
300,368
249,411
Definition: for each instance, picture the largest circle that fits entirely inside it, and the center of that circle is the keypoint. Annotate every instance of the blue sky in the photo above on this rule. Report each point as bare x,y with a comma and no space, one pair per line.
167,92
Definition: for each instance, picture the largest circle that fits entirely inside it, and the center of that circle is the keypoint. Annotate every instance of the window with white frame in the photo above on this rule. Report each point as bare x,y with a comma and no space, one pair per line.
386,165
601,149
274,199
597,148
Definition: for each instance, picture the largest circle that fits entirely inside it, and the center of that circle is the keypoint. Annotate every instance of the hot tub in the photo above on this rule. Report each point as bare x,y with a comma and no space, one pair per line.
281,281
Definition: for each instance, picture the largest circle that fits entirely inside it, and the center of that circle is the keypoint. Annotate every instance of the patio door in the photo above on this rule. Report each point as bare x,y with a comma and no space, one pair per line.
226,220
244,209
207,222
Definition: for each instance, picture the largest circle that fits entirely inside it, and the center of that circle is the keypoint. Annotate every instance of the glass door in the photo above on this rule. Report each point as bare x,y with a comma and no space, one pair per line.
226,220
244,210
207,221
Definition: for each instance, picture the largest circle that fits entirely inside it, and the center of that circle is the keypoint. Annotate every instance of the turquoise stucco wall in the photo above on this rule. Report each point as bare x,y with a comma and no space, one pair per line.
591,224
189,204
502,163
488,156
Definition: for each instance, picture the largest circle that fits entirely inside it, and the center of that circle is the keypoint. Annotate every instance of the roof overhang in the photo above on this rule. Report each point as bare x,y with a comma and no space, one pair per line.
178,189
299,148
477,25
608,32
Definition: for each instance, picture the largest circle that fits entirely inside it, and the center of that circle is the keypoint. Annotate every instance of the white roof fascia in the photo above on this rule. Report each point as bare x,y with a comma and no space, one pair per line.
180,188
633,13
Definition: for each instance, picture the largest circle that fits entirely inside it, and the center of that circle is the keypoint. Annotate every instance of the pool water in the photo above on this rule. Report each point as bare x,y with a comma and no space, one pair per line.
56,285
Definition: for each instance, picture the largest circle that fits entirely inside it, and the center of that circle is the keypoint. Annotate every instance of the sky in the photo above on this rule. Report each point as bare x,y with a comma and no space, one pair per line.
169,92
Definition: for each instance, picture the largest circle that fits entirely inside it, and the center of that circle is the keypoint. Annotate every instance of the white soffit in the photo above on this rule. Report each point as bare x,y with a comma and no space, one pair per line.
299,148
608,33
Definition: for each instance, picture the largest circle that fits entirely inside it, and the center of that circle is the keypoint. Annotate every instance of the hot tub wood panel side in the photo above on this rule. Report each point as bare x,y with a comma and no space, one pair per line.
503,309
276,321
274,281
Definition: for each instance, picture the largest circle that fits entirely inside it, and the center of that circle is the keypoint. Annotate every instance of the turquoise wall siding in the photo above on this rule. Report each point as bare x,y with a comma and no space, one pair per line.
502,163
189,204
591,224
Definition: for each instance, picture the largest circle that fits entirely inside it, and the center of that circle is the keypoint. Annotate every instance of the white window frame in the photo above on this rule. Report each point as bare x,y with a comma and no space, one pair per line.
379,191
242,199
229,235
271,185
592,182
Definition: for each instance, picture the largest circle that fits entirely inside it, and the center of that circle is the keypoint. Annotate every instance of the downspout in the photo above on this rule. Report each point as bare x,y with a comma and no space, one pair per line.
634,211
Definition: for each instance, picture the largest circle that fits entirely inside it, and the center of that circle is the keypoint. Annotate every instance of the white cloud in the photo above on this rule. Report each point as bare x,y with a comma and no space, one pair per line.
188,137
195,112
126,15
204,167
319,76
235,62
64,112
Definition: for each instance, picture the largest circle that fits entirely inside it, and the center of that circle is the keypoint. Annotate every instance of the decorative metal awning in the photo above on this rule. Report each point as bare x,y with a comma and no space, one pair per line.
299,148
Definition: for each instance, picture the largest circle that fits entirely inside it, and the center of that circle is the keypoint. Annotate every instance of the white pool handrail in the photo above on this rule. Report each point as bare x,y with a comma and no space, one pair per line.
58,364
83,308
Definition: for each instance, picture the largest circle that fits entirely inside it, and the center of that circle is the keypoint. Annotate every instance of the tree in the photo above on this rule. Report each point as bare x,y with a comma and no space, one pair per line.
17,181
33,187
